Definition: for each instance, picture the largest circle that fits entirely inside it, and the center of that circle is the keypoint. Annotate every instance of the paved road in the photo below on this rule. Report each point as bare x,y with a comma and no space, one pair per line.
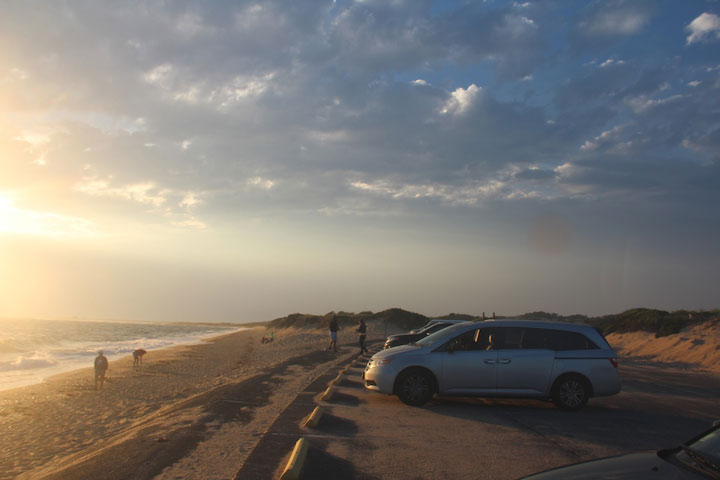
366,435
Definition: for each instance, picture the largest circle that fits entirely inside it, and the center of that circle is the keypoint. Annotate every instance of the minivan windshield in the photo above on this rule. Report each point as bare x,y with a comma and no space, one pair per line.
434,337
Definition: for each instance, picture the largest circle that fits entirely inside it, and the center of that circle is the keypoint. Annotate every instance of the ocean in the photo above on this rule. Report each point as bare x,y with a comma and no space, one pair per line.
32,350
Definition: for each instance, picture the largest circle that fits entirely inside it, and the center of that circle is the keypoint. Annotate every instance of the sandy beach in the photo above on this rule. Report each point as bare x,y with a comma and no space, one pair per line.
198,411
188,412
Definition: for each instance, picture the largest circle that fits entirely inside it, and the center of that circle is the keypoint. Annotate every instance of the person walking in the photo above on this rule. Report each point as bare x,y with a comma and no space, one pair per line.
362,334
101,366
333,329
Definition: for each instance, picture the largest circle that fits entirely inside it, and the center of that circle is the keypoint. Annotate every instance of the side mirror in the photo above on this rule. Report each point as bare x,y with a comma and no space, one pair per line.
716,423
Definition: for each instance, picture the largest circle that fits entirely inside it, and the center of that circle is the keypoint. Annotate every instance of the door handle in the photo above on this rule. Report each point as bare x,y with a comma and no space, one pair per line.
504,361
490,362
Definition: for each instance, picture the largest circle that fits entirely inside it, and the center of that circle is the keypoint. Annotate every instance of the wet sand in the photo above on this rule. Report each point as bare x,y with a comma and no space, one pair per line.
187,412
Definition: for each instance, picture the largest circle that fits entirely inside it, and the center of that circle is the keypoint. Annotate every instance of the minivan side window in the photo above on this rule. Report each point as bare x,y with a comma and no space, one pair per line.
558,340
563,340
477,339
508,338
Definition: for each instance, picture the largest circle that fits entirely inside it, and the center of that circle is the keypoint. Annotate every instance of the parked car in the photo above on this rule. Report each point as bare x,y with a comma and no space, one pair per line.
698,458
567,363
435,321
415,335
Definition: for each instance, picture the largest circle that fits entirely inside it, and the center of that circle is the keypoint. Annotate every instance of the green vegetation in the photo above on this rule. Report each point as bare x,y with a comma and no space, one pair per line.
660,322
553,317
393,316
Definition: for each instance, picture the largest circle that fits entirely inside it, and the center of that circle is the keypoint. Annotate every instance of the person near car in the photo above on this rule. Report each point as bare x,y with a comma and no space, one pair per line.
333,329
362,334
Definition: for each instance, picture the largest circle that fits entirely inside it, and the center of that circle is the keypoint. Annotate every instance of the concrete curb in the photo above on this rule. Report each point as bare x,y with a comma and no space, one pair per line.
327,394
314,419
297,459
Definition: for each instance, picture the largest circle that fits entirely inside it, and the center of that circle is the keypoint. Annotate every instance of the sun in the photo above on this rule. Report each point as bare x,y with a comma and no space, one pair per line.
14,220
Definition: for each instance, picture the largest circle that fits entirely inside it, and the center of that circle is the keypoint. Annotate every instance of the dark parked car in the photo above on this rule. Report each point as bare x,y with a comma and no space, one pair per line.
418,334
698,458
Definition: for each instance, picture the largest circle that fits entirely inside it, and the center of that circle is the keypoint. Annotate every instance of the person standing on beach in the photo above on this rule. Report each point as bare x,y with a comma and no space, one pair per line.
362,333
333,328
101,366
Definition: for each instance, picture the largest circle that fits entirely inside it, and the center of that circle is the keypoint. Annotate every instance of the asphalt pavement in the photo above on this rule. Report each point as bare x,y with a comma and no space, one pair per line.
366,435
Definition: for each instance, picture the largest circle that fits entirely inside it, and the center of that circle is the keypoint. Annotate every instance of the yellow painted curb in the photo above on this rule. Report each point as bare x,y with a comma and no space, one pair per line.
327,394
314,418
297,459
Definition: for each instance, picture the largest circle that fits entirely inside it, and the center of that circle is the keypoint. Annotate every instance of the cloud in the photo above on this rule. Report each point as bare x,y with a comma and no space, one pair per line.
145,193
705,27
604,137
615,18
461,100
642,103
261,183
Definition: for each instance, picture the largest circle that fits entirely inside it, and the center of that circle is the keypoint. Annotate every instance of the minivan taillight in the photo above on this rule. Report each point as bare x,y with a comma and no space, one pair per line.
613,361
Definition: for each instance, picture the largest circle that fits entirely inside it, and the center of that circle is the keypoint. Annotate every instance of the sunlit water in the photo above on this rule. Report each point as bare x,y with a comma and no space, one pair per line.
32,350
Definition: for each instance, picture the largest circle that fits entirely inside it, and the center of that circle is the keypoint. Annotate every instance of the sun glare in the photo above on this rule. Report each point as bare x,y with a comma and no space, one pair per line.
29,222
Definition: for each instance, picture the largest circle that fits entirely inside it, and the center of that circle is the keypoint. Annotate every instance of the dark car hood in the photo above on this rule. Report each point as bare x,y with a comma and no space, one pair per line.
636,466
403,336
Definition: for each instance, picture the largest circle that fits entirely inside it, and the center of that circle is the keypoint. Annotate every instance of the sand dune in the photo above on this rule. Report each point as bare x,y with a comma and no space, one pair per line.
695,347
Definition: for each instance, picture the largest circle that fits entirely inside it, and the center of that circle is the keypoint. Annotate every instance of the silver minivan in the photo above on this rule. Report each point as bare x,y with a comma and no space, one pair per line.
567,363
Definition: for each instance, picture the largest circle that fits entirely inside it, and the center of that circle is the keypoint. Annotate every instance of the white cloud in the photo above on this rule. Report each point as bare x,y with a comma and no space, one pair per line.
161,75
516,26
470,194
260,182
146,193
704,28
190,200
185,144
419,81
241,88
603,138
619,22
461,100
34,139
694,84
611,61
642,103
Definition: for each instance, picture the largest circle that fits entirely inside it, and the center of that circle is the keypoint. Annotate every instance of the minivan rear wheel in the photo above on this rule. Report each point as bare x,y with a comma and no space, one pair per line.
571,393
414,387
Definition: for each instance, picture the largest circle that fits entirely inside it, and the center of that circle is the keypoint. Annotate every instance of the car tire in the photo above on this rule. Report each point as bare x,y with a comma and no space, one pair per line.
415,387
571,393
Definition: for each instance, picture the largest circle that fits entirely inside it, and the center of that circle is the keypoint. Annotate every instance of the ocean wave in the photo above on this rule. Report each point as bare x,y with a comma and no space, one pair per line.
30,362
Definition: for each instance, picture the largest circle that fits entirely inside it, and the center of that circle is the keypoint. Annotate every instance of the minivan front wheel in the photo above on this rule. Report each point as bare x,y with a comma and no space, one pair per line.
414,387
571,393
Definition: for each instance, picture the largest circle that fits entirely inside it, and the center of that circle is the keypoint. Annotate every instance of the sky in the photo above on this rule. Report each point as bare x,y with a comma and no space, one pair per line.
240,161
